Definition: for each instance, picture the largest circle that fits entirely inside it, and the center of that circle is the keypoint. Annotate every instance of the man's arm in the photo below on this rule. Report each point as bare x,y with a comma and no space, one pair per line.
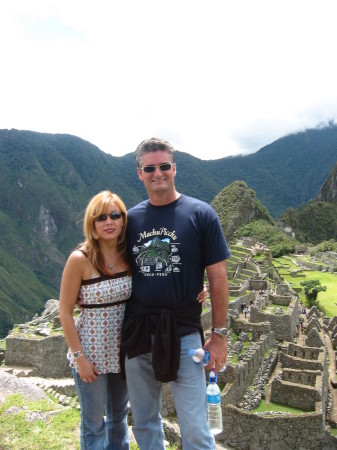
218,288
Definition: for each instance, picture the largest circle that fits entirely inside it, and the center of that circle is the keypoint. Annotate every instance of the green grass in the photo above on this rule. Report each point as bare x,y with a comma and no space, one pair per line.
327,300
271,308
58,432
135,447
265,407
234,359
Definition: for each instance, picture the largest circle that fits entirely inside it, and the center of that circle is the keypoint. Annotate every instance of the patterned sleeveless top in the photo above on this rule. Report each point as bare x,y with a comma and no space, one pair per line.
99,325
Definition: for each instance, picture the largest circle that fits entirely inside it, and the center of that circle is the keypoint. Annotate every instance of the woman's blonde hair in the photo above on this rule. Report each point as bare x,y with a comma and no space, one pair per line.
98,205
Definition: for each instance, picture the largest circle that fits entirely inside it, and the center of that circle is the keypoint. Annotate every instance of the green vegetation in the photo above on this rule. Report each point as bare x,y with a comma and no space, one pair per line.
327,299
311,290
170,447
57,432
325,246
236,205
265,407
47,180
276,240
313,222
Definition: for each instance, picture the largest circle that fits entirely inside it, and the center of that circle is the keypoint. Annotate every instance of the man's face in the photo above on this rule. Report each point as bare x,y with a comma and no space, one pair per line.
159,180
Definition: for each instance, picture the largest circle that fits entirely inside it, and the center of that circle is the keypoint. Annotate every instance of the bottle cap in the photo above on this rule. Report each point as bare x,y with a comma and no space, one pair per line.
212,377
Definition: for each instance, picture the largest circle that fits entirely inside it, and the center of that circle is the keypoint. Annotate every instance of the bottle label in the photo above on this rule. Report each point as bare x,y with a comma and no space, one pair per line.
214,398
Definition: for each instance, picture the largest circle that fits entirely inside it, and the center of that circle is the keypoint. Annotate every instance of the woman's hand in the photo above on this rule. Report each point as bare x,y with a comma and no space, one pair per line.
86,370
202,296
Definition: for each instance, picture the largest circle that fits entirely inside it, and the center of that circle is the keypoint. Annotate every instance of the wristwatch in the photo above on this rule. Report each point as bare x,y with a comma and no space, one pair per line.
220,331
78,354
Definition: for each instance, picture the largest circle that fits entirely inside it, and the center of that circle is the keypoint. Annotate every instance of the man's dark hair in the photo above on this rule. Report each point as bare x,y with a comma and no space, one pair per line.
153,145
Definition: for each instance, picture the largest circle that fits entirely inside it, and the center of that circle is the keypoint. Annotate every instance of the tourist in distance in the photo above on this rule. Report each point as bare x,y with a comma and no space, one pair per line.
172,239
97,276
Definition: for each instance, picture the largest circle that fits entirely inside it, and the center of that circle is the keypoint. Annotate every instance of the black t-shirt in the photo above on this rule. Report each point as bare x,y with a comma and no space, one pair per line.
170,246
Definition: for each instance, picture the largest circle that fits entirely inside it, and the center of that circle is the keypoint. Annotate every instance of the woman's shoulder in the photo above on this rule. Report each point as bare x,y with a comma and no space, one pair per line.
77,258
79,254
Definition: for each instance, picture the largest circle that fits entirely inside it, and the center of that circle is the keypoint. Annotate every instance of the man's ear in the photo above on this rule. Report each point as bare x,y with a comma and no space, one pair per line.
140,174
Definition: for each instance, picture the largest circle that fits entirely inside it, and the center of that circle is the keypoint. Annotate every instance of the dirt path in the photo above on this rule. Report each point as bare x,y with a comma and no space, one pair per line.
276,371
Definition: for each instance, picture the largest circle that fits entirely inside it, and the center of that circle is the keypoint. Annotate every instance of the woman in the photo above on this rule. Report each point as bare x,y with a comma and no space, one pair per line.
99,274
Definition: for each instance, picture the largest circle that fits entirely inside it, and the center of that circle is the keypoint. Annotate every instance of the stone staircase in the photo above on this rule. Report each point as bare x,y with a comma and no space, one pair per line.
62,389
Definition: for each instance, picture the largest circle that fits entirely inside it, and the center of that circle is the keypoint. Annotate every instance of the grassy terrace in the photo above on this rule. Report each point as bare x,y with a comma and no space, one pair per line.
327,300
269,406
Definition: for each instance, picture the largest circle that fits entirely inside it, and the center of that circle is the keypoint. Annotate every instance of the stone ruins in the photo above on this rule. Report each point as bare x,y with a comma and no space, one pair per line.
278,352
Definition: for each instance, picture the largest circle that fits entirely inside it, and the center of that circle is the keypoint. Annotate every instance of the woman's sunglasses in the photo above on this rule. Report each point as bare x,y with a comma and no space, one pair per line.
114,215
163,167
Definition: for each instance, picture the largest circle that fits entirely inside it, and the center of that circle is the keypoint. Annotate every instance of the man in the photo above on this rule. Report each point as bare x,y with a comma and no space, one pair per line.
172,239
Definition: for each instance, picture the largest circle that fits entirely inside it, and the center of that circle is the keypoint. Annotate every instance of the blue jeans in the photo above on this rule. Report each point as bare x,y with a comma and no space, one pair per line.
189,394
107,395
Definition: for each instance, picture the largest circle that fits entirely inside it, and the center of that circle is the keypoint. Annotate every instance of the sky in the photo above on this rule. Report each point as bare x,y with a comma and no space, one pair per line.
215,78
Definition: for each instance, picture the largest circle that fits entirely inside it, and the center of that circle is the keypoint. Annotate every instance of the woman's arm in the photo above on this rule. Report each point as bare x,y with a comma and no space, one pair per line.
74,270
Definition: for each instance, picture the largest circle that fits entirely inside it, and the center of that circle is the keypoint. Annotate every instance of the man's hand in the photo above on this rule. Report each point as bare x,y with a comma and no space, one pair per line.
217,347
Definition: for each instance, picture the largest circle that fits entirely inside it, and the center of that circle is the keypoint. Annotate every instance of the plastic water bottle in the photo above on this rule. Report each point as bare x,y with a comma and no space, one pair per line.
199,355
214,411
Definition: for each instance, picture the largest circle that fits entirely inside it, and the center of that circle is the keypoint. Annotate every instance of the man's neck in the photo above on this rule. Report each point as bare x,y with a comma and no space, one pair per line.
165,199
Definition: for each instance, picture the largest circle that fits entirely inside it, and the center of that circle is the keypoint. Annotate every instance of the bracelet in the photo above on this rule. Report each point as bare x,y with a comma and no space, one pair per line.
78,354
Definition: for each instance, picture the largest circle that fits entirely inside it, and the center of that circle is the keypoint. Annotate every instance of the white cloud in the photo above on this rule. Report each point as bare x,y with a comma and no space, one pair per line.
216,78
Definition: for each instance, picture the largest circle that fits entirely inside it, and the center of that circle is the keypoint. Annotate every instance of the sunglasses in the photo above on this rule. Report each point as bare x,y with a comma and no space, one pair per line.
114,215
163,167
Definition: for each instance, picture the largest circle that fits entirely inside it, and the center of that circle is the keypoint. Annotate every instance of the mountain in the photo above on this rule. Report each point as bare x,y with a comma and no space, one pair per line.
328,192
316,221
242,214
47,180
237,205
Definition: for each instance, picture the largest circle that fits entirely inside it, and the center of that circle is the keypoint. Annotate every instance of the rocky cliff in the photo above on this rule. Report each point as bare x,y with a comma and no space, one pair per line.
328,192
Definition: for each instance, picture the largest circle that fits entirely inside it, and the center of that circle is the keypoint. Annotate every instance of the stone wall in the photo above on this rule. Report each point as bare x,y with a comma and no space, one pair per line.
309,265
258,285
299,364
257,329
283,300
46,356
312,353
293,395
236,304
304,378
285,326
282,289
247,431
238,377
307,377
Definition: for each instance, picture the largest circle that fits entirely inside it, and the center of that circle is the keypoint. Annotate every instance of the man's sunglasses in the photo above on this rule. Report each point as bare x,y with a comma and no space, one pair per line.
114,215
163,167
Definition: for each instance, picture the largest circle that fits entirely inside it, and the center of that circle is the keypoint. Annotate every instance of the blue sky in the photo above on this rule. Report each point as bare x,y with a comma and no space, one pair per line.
215,78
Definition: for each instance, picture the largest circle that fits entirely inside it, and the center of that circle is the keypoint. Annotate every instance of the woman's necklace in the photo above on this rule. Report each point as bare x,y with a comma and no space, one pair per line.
110,266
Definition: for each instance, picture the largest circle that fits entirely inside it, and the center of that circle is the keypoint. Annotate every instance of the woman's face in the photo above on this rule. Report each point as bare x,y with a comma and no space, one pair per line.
109,225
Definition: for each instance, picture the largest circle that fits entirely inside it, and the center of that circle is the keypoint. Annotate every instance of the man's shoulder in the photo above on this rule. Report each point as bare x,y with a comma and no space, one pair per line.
139,207
196,205
194,201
